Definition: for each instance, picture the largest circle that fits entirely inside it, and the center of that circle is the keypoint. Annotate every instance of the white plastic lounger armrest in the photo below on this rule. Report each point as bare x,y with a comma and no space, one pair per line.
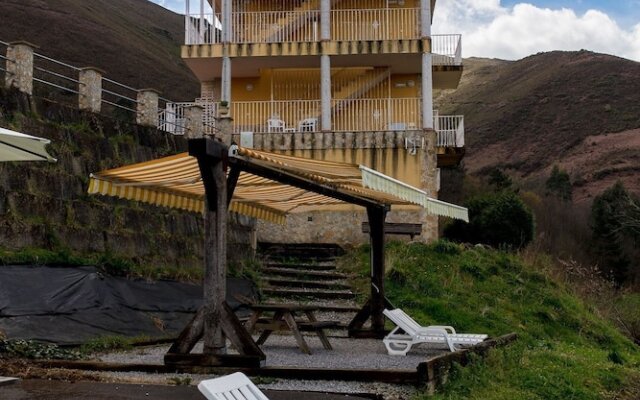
449,329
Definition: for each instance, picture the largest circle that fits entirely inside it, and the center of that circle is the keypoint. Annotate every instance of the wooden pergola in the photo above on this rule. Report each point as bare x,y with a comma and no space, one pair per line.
224,170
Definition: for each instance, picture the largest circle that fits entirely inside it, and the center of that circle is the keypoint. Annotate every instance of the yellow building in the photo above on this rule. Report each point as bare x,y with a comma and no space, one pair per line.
348,80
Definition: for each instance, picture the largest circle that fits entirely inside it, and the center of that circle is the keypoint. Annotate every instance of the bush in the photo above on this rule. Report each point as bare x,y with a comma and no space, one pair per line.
500,220
559,184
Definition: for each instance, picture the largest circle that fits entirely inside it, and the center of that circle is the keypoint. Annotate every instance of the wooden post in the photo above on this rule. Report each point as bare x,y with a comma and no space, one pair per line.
377,216
376,304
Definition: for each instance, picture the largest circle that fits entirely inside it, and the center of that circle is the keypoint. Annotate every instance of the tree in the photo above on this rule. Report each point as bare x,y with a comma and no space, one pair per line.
500,180
614,223
559,184
500,220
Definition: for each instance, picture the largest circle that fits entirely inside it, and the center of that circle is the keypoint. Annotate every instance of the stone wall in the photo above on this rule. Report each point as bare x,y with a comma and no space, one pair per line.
382,151
342,227
46,206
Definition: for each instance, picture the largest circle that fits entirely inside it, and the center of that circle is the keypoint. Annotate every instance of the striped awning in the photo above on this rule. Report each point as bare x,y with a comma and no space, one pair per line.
176,182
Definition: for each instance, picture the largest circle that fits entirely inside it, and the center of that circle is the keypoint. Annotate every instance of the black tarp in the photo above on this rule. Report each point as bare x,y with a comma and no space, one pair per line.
67,305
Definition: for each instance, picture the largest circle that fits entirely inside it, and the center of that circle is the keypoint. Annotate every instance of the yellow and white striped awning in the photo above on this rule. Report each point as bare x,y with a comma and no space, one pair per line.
175,182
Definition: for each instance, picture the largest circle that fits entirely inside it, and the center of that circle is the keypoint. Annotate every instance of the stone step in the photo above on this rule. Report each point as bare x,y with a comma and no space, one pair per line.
301,283
290,272
303,266
309,293
338,306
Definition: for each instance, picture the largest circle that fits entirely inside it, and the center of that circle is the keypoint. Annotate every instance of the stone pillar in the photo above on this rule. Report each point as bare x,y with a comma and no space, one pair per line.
194,128
325,20
147,109
20,66
429,183
90,89
425,18
325,92
224,124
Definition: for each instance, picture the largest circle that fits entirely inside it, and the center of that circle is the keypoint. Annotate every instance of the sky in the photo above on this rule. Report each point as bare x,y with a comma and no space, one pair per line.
512,29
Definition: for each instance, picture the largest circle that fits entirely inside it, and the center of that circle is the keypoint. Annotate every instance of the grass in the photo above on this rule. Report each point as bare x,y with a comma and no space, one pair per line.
106,262
565,349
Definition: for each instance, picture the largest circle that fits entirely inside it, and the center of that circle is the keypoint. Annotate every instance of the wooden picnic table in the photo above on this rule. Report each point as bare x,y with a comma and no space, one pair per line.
286,317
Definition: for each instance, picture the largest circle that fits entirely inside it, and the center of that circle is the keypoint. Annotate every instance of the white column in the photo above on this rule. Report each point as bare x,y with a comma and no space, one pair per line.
427,66
225,81
325,91
425,18
226,21
427,91
325,20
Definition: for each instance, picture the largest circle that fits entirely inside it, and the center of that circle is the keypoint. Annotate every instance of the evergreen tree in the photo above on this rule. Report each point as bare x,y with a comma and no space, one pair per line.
559,184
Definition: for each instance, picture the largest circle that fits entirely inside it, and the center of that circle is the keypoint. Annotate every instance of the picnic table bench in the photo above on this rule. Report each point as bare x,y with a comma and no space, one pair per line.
284,318
397,229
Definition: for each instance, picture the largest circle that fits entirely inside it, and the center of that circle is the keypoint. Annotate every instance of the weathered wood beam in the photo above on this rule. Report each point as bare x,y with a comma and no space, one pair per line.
376,217
190,334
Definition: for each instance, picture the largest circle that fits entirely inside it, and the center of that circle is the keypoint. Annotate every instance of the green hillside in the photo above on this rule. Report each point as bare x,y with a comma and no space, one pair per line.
565,349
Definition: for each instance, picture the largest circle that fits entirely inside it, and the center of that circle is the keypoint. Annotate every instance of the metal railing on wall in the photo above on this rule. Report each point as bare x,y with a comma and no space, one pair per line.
54,79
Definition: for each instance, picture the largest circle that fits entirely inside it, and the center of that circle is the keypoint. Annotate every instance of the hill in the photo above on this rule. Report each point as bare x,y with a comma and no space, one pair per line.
135,41
552,108
565,349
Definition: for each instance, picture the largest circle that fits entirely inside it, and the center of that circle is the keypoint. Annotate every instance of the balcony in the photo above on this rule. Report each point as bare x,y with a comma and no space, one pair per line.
303,116
446,50
300,22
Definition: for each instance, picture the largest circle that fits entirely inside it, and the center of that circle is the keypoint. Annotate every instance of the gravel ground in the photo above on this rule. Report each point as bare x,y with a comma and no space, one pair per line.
281,350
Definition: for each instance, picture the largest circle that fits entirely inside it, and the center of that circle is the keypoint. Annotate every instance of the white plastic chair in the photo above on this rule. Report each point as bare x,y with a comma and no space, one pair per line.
308,125
235,386
278,125
400,343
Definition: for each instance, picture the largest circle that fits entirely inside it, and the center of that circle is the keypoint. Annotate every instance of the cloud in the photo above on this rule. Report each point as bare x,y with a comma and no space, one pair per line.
492,30
173,5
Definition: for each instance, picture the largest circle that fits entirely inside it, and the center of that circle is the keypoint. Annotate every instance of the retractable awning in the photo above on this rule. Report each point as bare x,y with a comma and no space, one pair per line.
176,182
16,146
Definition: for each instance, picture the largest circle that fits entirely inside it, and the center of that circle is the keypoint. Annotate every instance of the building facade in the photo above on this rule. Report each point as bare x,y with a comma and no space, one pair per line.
348,80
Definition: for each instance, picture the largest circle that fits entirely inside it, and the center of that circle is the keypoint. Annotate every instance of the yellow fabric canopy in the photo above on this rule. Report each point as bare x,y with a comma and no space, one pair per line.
175,182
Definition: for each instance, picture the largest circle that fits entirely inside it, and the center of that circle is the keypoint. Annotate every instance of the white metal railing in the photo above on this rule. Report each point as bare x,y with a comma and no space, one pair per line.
450,129
292,116
204,27
375,24
276,26
446,49
276,116
385,114
173,117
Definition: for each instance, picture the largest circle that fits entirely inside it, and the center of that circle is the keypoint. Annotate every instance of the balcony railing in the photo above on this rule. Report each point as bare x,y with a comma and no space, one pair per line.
446,49
295,116
375,24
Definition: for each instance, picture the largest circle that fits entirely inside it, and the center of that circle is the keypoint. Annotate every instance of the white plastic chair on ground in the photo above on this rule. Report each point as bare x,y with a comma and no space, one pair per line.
235,387
399,344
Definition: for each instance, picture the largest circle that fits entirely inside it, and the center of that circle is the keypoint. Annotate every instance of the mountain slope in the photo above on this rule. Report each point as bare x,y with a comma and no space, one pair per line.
135,41
530,114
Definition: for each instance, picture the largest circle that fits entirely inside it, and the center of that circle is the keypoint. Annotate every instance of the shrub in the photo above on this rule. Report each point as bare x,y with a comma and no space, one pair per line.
500,220
559,184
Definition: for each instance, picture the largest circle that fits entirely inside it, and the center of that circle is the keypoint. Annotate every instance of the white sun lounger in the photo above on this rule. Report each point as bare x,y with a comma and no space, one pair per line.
400,343
235,386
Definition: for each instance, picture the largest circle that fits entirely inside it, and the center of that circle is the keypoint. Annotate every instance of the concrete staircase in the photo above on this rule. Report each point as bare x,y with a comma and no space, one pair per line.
307,274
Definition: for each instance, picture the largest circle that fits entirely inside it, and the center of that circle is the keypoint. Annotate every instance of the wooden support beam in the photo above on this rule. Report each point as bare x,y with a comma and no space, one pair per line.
190,334
232,181
376,217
